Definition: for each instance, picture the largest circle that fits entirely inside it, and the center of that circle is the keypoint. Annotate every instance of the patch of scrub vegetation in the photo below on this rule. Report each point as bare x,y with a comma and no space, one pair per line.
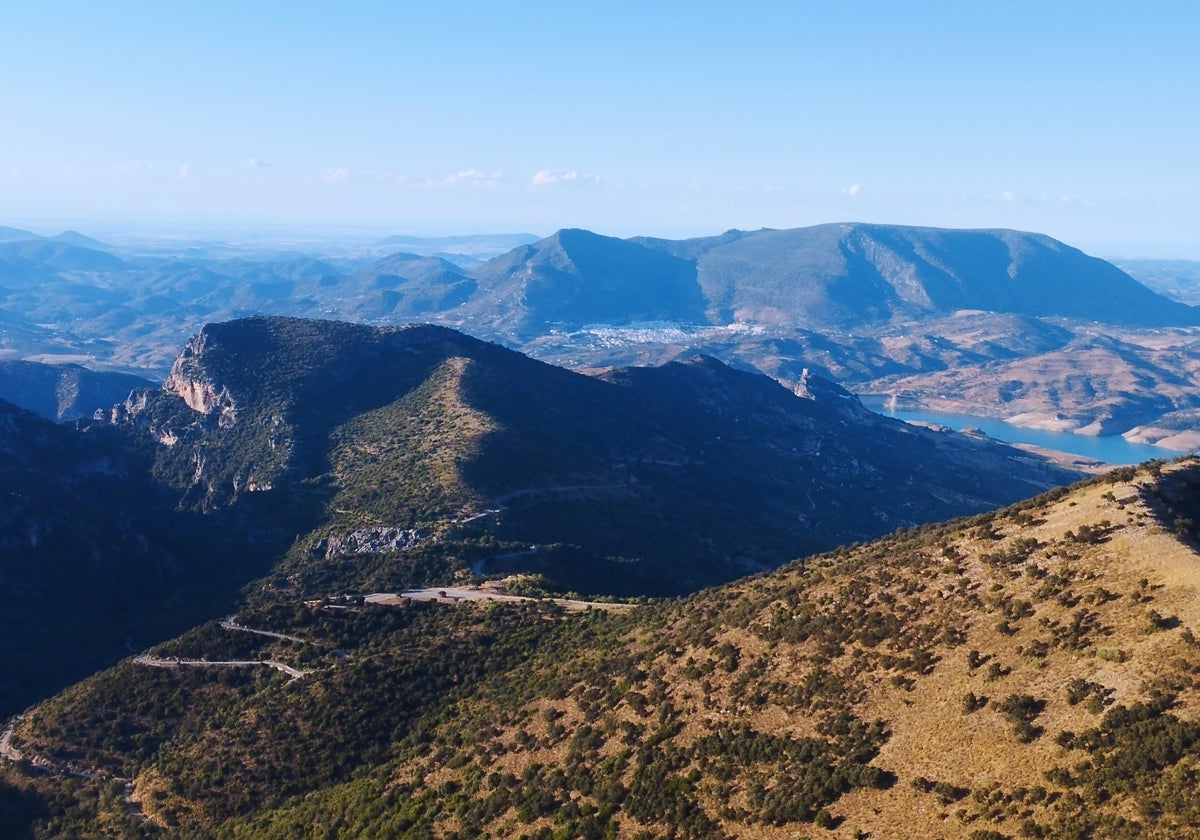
994,676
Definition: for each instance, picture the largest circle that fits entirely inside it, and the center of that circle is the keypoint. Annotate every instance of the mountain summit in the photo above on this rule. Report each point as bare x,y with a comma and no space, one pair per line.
828,276
688,474
577,277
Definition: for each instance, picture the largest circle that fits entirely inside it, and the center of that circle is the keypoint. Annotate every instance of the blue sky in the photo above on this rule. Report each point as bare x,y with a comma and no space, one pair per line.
1079,120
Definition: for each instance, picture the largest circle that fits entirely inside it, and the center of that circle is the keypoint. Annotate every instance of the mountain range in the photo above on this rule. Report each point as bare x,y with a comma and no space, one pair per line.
825,277
318,457
336,578
418,428
401,581
945,318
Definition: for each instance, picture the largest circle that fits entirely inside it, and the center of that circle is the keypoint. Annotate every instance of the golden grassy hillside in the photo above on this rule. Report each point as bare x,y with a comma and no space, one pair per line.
1027,673
1032,672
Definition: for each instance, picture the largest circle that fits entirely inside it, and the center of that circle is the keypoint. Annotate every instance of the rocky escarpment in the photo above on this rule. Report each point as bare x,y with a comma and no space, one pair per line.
194,384
189,381
193,420
367,541
248,405
818,389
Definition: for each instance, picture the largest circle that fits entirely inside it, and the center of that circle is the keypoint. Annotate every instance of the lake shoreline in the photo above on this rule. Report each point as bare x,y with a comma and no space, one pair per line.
1109,450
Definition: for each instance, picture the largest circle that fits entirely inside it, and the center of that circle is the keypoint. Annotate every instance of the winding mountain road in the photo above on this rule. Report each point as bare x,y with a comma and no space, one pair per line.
230,624
174,662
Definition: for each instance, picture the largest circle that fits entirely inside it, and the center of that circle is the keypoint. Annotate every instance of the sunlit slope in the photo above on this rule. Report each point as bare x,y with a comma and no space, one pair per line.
1028,673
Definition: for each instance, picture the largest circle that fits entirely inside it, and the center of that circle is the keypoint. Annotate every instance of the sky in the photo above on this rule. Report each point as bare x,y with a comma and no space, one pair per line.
1075,119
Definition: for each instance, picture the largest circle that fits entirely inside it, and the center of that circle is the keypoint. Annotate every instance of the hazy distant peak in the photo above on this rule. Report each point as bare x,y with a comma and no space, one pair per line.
8,234
407,264
57,254
72,237
577,277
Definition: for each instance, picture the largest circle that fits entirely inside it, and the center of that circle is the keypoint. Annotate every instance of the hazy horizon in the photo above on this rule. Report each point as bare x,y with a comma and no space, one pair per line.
667,119
334,232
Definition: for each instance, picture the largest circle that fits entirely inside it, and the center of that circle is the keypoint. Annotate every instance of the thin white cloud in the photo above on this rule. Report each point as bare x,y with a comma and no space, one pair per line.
185,171
468,178
852,191
336,175
259,163
553,178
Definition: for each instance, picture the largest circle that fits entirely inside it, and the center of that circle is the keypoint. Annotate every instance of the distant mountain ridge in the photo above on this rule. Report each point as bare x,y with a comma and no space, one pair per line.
10,234
836,275
59,254
64,392
878,308
576,277
406,285
69,237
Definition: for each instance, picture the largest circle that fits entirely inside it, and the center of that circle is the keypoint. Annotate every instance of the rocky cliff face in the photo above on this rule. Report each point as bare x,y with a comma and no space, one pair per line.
195,387
249,404
191,421
378,540
819,389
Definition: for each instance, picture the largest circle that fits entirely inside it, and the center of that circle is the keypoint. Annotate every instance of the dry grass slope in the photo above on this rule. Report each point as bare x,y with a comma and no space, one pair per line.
976,645
1026,673
413,450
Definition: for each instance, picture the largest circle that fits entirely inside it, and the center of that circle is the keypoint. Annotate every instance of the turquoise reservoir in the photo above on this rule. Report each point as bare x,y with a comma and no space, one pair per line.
1112,449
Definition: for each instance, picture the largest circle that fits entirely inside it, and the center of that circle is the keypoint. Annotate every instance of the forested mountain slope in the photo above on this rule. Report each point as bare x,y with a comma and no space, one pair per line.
318,457
638,481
